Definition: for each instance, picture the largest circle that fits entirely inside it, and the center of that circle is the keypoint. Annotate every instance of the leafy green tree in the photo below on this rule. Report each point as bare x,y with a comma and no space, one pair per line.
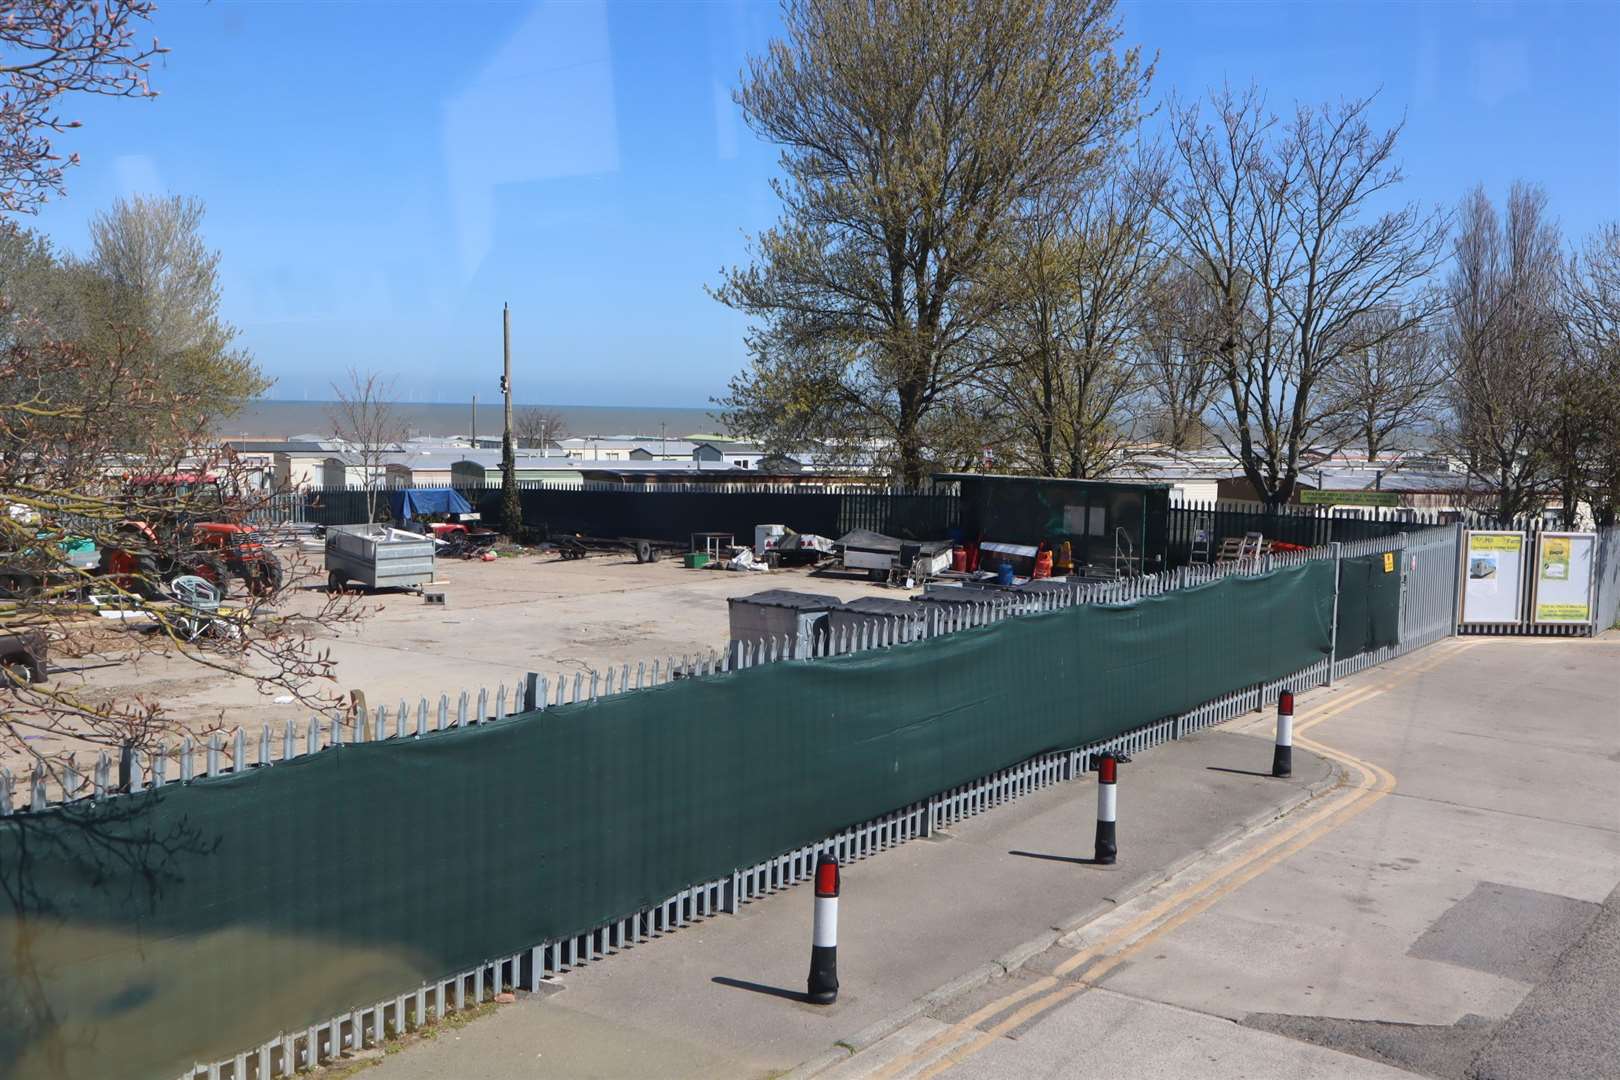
151,270
916,137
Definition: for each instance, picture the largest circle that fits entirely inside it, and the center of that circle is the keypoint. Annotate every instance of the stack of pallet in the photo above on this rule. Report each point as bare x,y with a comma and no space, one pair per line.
1241,548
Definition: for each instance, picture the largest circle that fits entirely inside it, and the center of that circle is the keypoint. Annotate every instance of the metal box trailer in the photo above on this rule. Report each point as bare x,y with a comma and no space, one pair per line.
777,613
876,554
377,557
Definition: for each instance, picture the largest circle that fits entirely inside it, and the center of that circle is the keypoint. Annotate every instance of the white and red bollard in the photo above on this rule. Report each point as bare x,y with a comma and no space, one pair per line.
823,989
1282,758
1107,807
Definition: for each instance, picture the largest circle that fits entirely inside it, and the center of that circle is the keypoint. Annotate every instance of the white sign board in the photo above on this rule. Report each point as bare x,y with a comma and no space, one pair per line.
1564,578
1493,576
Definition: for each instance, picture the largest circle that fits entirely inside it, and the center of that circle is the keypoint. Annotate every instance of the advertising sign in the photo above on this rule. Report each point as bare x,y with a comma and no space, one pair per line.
1564,578
1493,577
1350,498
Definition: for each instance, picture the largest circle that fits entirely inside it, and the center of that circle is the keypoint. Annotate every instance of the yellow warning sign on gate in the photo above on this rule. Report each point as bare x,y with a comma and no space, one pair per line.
1389,562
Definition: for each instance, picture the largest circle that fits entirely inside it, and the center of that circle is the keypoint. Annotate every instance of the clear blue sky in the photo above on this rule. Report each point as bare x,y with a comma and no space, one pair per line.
380,177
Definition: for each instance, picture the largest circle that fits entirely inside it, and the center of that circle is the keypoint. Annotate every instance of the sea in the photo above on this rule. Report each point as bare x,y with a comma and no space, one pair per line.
281,419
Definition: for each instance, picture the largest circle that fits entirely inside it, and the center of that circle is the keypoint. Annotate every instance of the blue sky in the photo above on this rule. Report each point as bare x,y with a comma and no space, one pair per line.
380,177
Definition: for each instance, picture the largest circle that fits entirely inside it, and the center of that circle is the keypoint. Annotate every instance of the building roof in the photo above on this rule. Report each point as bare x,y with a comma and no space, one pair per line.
728,447
279,446
1398,480
1010,479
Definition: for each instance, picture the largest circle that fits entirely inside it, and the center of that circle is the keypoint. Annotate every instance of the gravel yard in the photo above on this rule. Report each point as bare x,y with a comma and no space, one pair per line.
526,612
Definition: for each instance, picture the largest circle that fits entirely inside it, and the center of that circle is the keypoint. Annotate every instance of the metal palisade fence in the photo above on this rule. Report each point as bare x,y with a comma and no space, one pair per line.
1608,578
325,772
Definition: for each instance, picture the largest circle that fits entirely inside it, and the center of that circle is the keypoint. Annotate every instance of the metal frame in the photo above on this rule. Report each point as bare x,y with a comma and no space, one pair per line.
1534,567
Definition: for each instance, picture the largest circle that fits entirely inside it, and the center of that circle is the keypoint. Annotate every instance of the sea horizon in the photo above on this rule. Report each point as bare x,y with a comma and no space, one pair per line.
280,419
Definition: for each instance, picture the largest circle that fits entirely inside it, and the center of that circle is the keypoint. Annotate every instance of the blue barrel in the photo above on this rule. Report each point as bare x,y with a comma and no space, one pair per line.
1004,573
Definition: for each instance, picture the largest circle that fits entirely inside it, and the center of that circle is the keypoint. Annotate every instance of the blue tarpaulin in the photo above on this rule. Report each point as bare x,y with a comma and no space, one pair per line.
420,502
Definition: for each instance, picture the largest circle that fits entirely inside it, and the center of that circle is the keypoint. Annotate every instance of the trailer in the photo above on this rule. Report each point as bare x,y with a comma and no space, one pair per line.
879,555
377,557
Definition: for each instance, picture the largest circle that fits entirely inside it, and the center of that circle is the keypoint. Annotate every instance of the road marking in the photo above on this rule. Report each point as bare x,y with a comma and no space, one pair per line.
1377,783
964,1039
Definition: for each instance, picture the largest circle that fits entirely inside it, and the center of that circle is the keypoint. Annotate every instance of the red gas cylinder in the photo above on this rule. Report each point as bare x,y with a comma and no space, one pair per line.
959,559
1043,564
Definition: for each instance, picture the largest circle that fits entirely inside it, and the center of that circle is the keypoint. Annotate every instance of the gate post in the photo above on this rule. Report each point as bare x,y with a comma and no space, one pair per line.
1333,628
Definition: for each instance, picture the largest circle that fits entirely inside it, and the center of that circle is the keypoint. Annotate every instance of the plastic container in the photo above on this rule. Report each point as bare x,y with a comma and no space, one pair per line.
1004,573
1043,564
697,560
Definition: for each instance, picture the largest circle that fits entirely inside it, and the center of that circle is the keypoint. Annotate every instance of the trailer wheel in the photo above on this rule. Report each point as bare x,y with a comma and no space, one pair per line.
335,582
644,552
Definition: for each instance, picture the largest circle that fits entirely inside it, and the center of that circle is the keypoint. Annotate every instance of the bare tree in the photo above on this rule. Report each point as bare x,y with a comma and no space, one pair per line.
1502,344
1072,324
1277,223
1583,436
914,134
537,428
82,529
51,50
1388,390
364,418
1180,374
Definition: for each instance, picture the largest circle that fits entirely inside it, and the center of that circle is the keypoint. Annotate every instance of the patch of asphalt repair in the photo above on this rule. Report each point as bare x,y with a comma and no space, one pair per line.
1507,931
1429,1049
1568,1026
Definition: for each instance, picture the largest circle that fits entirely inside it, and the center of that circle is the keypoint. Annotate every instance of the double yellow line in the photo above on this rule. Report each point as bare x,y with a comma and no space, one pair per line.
1363,786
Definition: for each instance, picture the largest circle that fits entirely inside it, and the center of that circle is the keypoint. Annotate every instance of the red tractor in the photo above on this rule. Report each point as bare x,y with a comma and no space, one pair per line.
166,539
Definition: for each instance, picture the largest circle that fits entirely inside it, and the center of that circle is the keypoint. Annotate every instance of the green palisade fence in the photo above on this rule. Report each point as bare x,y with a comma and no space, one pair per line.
191,920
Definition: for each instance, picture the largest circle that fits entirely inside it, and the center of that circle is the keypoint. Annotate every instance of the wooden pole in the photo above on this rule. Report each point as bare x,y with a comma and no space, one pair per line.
511,507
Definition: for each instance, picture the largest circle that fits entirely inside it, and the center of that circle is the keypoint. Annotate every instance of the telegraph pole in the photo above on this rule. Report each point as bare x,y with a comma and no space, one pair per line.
511,507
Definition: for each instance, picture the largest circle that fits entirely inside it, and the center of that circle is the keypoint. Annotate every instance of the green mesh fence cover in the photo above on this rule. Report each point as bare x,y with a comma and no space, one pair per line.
1369,604
193,921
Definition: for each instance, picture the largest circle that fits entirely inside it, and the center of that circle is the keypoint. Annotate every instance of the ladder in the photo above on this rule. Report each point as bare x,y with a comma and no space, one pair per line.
1201,551
1253,546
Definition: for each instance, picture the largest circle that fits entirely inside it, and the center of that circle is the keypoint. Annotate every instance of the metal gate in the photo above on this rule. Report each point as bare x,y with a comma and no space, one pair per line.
1429,586
1428,562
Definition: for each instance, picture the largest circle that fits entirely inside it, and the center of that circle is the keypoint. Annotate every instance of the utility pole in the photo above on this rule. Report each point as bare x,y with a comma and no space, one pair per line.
511,507
473,442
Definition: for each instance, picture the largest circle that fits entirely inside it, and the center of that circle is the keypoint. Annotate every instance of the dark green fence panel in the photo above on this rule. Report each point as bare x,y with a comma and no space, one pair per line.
673,514
1369,605
195,920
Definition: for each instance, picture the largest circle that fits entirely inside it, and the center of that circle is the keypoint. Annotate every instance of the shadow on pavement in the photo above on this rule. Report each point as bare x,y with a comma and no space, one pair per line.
1055,858
760,988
